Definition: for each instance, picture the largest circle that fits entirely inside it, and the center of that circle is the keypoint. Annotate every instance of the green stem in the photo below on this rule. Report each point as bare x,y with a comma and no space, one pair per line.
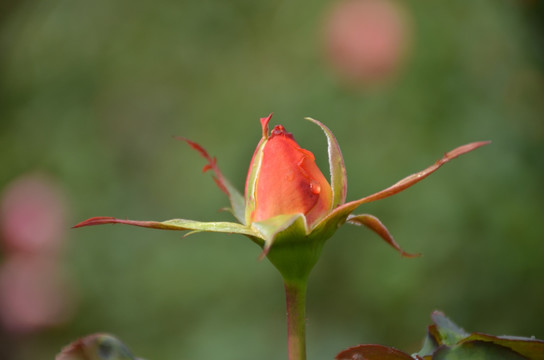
296,319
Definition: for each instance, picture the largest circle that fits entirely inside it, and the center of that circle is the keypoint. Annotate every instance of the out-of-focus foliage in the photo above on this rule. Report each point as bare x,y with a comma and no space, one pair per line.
447,341
92,92
96,347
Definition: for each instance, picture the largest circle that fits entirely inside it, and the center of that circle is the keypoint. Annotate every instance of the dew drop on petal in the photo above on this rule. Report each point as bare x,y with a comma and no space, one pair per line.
315,187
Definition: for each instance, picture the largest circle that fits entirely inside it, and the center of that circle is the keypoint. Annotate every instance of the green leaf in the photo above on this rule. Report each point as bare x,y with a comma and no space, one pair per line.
477,350
447,341
531,348
374,224
372,352
337,168
176,224
449,332
430,344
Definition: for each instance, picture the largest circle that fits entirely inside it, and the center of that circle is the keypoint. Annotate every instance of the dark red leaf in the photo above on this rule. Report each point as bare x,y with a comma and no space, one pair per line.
372,352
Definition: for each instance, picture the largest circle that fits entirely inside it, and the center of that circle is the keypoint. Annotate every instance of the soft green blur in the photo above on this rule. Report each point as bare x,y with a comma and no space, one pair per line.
91,93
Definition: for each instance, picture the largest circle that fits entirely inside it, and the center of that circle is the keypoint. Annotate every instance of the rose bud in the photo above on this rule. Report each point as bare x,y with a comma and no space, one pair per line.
287,180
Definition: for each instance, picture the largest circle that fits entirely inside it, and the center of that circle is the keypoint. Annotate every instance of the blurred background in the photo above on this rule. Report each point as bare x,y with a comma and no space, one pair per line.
91,94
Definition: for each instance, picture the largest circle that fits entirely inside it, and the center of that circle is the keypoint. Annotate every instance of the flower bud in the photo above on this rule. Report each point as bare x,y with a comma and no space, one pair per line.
286,180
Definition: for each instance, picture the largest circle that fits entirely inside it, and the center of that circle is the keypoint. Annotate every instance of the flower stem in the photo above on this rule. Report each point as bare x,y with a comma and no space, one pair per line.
295,292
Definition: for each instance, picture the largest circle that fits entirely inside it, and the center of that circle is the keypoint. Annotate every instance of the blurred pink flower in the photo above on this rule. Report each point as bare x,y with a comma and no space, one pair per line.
32,215
366,39
33,294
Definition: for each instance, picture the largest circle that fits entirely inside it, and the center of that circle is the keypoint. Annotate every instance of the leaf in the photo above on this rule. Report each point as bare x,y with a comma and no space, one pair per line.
445,340
374,224
430,344
96,347
372,352
531,348
337,168
449,332
477,350
175,224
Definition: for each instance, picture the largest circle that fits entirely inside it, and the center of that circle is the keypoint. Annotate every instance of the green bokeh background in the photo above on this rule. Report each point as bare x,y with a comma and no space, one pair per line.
91,93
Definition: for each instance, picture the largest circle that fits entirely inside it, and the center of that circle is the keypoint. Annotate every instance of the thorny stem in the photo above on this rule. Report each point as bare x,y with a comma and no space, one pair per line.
296,319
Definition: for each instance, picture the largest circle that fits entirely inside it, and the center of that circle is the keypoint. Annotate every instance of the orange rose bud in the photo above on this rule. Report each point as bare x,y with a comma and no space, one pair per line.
288,181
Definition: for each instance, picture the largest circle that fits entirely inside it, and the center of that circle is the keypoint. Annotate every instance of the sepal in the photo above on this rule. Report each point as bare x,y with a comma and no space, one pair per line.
347,208
237,201
251,180
175,224
292,228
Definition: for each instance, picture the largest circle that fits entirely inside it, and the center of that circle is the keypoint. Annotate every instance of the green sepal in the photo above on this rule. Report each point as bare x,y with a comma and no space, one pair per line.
289,247
293,224
176,224
237,202
251,181
337,168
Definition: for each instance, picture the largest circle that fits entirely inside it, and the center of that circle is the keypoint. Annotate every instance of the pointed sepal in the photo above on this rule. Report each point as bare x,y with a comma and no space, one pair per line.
254,166
292,226
289,247
344,210
175,224
237,201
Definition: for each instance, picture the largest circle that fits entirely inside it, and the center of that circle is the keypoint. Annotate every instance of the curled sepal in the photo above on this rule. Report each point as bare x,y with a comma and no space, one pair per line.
337,168
237,201
176,224
96,347
374,224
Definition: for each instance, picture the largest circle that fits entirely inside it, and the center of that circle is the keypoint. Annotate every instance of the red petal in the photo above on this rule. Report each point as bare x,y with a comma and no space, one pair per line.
289,181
